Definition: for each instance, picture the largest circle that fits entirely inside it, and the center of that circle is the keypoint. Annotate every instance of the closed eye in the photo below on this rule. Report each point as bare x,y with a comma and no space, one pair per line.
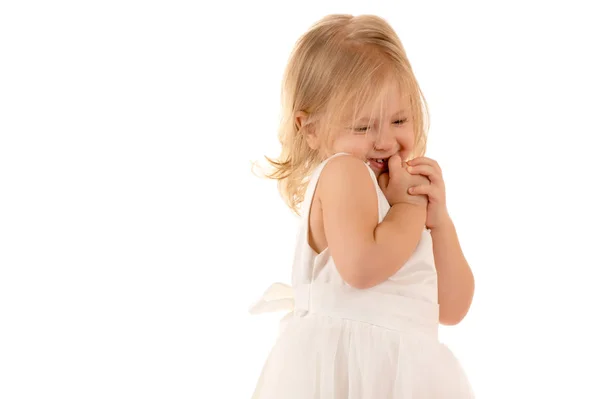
362,129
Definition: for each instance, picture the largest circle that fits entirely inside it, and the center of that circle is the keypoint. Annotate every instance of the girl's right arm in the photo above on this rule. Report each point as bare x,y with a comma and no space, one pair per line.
365,252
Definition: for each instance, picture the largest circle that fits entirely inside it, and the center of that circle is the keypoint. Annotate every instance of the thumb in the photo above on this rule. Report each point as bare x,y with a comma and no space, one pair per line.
383,180
394,164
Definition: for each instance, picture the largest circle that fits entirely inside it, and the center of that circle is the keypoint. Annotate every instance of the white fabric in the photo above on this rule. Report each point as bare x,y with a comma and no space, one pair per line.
338,342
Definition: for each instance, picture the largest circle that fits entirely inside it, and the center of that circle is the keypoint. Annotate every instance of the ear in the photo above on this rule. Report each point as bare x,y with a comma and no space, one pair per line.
306,129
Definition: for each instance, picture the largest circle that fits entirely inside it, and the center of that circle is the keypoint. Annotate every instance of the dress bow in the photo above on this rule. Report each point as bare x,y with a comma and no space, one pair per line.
277,298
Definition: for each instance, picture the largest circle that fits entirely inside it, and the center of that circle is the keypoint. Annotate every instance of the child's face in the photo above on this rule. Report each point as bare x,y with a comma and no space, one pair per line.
380,131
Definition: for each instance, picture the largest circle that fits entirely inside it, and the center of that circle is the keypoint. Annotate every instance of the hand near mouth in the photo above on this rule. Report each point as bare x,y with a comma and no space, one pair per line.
435,190
395,183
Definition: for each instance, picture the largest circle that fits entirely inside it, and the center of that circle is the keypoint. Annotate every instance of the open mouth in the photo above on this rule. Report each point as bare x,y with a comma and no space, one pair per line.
380,164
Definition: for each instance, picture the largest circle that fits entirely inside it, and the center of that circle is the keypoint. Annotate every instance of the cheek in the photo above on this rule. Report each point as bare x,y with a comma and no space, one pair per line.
406,143
365,145
357,144
407,140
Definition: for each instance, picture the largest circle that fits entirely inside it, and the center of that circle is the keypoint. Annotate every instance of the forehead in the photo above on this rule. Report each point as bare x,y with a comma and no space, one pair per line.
390,97
390,100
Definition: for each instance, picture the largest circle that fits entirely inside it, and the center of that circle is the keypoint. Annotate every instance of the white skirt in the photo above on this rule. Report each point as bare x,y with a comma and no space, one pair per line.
325,356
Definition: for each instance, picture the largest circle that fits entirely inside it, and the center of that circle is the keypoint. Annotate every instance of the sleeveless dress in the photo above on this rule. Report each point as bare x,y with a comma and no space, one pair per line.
339,342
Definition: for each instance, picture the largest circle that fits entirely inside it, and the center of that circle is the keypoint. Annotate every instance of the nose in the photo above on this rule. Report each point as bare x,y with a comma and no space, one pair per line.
385,142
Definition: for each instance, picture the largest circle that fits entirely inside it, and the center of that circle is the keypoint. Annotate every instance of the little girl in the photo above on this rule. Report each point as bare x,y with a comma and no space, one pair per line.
378,264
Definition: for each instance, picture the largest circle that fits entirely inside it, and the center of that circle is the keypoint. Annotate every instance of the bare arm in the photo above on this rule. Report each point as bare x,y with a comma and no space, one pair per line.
365,252
456,284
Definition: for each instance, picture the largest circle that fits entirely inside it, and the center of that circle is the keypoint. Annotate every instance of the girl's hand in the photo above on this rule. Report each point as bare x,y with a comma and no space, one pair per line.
395,184
437,213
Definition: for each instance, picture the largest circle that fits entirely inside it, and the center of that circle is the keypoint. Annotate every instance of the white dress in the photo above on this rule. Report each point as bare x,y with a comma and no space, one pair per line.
338,342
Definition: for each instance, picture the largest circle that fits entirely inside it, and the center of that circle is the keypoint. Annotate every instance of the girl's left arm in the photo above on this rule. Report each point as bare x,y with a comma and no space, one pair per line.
456,284
455,279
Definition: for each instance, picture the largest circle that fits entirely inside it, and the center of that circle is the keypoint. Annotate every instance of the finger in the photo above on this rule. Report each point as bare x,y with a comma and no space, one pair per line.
426,170
383,180
394,165
395,161
424,161
421,190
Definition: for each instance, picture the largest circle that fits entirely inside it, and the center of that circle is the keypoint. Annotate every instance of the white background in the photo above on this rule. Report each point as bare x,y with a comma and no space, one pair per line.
133,236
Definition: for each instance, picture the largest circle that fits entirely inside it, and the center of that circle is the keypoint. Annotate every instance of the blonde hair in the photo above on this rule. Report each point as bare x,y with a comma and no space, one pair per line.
341,62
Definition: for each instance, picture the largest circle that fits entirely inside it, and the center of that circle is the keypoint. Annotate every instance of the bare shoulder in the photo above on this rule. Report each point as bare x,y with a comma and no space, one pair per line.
344,174
346,191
